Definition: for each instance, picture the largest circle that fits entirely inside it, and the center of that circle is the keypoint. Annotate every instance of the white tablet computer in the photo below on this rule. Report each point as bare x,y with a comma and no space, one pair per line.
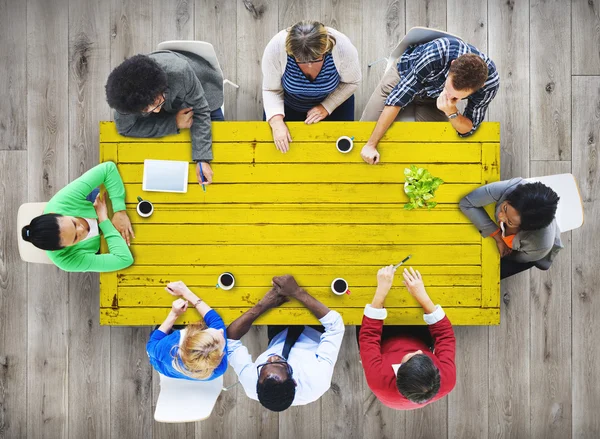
165,176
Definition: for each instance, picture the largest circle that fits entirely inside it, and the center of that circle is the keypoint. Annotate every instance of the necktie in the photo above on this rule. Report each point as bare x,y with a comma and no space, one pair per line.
292,336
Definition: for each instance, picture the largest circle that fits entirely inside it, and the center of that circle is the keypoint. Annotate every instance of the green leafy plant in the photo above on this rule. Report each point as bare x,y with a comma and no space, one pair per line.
420,188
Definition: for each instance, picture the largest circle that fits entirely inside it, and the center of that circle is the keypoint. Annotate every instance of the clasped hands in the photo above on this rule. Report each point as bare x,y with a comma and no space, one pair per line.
284,287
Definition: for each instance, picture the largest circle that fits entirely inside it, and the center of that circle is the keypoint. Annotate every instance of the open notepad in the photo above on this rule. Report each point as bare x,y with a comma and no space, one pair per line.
165,176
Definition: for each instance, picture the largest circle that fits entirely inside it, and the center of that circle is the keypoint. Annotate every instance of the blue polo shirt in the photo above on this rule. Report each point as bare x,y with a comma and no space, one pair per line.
160,349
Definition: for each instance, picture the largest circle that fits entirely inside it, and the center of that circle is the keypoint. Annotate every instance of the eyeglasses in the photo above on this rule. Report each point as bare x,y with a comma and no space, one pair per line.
290,371
158,106
309,62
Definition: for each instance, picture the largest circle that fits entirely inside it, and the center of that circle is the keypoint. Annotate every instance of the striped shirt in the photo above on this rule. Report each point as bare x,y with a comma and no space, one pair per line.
423,71
302,94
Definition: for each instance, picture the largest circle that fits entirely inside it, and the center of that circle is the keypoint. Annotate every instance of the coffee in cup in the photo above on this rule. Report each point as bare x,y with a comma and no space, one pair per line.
226,281
339,286
344,144
144,208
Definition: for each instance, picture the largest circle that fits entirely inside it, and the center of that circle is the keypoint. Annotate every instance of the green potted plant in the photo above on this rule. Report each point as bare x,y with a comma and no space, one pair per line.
420,187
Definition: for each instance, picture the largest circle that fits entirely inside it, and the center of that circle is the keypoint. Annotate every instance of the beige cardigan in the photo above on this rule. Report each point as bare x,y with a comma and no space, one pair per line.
345,58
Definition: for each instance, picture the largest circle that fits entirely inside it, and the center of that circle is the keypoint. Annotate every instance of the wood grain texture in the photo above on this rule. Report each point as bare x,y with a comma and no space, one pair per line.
550,79
585,41
223,420
585,276
47,136
426,13
89,343
509,344
13,299
214,24
172,20
382,28
551,336
257,23
13,74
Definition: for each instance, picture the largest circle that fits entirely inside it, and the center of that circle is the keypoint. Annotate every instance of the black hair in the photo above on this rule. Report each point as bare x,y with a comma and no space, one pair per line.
135,84
536,204
418,379
43,232
276,395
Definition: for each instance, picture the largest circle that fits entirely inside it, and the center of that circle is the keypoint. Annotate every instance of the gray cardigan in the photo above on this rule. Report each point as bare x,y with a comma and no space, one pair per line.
539,246
192,82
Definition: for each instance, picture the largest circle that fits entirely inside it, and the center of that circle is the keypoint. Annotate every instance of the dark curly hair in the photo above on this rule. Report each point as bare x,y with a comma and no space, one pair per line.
276,395
536,204
135,84
469,72
418,379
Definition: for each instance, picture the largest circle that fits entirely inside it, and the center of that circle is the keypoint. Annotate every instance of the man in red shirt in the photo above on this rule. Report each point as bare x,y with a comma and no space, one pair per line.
401,369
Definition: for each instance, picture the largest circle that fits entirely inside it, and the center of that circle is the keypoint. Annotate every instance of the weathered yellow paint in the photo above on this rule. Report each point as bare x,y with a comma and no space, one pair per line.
306,275
490,258
303,152
364,254
261,234
305,213
399,132
296,193
280,316
317,173
249,296
314,213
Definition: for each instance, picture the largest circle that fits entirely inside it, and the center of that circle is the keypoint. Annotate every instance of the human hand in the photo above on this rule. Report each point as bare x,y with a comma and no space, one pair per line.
184,118
286,285
179,307
281,134
207,170
100,207
385,278
177,288
503,249
445,104
273,299
123,225
414,283
370,154
316,114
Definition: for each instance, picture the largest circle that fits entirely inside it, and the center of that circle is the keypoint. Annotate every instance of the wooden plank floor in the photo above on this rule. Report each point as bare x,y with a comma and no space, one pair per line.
64,376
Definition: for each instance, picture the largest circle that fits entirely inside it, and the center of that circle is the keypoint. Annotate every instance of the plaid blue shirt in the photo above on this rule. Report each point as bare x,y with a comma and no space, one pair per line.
423,71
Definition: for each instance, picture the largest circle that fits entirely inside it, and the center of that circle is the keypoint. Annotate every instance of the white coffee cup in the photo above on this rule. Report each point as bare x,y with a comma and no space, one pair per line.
349,139
142,208
224,281
337,291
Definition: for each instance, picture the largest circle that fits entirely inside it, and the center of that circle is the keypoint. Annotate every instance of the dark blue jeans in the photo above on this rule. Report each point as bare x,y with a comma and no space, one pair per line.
92,195
217,115
344,112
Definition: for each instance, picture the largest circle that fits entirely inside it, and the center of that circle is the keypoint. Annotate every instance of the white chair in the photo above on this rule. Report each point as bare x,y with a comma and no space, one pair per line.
27,251
185,400
416,35
569,213
202,49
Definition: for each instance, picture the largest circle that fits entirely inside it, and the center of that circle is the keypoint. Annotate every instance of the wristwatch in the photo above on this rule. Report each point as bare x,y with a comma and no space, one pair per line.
453,115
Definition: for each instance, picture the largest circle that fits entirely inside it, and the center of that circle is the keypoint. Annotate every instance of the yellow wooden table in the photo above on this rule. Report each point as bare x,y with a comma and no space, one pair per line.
314,213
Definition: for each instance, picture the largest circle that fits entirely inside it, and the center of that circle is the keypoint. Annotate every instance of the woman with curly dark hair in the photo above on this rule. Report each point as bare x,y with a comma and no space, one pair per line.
525,228
160,93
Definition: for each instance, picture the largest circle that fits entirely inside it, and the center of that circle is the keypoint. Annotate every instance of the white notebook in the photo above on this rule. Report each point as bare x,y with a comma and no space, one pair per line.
165,176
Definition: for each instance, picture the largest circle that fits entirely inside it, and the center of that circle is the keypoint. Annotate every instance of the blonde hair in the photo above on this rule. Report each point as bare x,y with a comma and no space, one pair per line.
308,41
199,354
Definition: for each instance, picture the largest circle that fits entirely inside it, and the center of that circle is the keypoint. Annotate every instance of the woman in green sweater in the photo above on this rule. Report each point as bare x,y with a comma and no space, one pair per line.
69,228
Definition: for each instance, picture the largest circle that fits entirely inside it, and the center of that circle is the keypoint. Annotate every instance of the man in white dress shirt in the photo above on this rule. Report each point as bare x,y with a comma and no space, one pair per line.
297,367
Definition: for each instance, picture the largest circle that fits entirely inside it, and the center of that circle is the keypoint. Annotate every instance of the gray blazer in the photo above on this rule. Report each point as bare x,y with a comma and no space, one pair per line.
192,82
539,246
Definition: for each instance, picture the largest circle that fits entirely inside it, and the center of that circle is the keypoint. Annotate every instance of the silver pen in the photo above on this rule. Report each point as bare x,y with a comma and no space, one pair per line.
403,261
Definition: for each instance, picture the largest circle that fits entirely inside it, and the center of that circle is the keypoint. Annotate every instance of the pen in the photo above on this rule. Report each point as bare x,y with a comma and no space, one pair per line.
202,177
403,261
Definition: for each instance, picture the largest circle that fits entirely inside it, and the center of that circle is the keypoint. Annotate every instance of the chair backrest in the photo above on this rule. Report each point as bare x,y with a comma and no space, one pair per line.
27,251
569,213
186,401
416,35
201,48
